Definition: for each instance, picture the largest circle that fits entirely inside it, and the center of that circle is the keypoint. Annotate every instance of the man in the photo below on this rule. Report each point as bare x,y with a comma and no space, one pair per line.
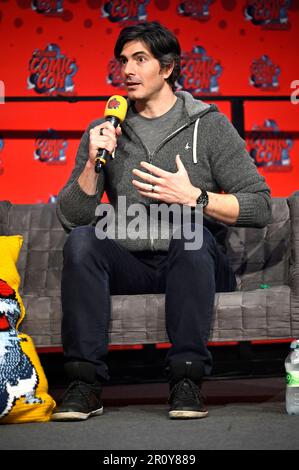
172,149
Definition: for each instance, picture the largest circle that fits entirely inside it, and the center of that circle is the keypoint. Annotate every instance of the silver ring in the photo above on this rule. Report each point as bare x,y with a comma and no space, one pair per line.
101,131
153,188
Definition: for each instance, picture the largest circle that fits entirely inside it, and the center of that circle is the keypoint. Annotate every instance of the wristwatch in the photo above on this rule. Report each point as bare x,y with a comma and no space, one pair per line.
203,199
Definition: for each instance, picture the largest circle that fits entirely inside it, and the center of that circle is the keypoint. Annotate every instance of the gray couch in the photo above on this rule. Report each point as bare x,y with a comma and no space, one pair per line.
266,261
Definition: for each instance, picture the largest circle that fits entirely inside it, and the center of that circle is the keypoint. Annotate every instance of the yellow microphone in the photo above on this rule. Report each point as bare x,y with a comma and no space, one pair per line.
115,112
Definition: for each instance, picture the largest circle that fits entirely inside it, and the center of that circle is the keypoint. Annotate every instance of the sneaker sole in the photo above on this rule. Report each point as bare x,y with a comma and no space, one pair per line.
183,414
75,416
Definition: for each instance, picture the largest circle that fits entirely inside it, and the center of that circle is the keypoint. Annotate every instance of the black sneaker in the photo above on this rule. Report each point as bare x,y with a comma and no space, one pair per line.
186,401
81,400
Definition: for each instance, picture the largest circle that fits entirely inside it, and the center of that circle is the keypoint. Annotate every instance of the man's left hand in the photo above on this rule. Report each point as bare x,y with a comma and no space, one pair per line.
165,186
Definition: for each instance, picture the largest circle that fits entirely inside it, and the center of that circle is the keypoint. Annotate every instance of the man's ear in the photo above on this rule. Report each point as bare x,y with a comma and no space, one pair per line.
167,70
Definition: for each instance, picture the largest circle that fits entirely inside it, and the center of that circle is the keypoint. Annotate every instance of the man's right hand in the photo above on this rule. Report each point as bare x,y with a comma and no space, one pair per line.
103,136
88,178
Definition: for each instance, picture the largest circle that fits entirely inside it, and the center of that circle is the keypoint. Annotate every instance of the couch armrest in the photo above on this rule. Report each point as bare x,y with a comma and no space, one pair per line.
293,202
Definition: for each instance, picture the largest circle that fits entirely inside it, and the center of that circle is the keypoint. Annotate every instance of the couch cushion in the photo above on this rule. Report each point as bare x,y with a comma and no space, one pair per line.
136,319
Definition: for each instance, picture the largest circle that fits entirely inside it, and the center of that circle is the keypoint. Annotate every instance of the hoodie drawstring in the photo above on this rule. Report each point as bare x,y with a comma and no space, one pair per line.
194,146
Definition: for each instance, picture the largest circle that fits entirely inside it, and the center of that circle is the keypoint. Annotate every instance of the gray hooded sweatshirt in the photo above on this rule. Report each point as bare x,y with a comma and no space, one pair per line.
213,154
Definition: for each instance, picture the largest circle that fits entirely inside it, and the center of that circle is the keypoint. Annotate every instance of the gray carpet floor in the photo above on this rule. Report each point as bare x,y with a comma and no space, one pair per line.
243,414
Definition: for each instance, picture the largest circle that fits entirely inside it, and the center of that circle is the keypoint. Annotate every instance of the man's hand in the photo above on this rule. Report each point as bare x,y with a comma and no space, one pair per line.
100,137
165,186
103,136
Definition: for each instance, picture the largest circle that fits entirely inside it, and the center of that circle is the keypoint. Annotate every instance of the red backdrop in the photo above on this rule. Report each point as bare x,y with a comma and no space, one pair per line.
66,48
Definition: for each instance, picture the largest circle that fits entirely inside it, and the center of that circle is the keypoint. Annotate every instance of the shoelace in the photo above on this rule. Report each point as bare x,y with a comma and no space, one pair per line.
183,393
76,389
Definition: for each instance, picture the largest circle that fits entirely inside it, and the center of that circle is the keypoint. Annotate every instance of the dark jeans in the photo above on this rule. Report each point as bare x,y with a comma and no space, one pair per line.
95,269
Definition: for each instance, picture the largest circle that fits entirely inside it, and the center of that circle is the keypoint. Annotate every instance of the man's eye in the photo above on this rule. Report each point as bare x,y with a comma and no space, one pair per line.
122,61
141,59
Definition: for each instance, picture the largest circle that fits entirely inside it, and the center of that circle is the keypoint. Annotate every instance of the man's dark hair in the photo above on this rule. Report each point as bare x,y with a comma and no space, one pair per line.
161,42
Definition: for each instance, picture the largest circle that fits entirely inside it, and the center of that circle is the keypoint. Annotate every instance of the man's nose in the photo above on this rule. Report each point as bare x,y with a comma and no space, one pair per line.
129,68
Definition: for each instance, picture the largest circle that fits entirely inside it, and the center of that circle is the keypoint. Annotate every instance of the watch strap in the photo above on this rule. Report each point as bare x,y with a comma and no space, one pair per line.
203,199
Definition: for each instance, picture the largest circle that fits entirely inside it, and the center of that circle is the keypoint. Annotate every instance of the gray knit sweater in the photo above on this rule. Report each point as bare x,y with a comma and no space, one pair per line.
212,152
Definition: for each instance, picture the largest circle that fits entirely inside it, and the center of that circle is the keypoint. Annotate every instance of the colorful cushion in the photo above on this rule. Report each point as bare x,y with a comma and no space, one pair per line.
23,384
9,253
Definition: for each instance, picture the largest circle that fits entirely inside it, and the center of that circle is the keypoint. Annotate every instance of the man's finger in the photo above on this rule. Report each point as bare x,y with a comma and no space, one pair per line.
156,170
150,194
142,186
179,163
146,177
118,131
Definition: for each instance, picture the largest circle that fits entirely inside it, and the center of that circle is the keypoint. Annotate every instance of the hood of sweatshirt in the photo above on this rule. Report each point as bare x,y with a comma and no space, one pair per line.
194,108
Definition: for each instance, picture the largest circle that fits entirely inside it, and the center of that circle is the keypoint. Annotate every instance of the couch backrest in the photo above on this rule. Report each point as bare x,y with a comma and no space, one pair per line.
4,210
258,256
40,259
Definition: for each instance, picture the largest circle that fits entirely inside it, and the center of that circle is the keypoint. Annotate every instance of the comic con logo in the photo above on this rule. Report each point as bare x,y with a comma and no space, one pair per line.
269,148
48,7
270,14
1,161
200,72
198,10
264,74
51,72
50,149
128,11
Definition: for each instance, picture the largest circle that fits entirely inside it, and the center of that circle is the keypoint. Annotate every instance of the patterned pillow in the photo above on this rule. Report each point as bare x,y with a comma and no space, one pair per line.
23,384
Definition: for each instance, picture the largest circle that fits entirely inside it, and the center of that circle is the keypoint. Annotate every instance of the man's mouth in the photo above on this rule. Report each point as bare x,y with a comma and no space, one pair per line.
132,84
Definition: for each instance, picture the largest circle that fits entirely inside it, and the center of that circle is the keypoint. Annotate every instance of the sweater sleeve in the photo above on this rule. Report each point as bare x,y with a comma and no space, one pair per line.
75,207
235,172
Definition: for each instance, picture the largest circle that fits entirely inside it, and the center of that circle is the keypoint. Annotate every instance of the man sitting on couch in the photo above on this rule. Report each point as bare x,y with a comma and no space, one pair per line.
175,150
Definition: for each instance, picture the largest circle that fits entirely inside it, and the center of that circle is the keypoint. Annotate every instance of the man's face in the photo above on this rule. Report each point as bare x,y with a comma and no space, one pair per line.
141,72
